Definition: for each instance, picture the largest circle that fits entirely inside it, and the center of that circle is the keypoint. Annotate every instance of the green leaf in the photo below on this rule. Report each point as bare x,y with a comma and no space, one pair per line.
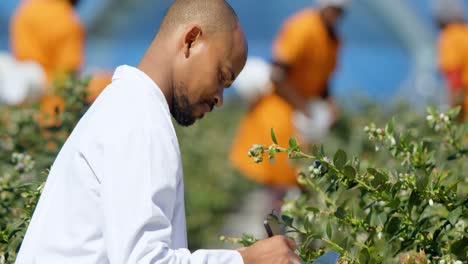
293,143
322,151
459,248
364,256
313,209
393,225
372,171
273,136
287,220
329,230
431,110
339,159
379,180
454,215
421,181
390,127
308,226
315,151
453,112
340,212
414,199
349,172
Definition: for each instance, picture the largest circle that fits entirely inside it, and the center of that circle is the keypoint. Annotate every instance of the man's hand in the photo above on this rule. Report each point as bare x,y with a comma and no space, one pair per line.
274,250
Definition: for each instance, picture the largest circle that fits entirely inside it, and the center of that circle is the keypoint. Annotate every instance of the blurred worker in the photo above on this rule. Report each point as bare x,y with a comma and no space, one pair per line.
50,33
304,59
453,51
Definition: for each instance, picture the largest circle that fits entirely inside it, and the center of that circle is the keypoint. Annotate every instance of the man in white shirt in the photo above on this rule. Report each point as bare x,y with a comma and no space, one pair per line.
115,191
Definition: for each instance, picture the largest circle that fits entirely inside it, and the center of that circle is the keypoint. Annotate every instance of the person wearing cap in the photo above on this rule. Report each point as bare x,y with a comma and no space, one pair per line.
305,55
453,51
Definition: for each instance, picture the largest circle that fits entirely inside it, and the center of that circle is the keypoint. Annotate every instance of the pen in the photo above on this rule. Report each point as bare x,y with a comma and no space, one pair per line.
267,228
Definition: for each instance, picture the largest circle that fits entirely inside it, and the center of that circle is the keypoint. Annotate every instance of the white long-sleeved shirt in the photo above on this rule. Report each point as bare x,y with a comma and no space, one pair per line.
115,192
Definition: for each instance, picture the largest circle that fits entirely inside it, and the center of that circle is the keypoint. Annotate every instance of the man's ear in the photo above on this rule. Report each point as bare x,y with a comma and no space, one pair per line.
192,35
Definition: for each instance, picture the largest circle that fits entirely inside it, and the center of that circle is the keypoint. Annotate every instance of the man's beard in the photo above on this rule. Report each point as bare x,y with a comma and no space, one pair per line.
182,110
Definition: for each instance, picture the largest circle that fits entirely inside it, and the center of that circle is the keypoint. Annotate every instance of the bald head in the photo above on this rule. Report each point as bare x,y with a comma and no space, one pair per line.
211,15
198,52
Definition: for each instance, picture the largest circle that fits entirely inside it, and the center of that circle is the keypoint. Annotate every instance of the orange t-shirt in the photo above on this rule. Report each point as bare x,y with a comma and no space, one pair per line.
453,50
305,45
453,56
49,33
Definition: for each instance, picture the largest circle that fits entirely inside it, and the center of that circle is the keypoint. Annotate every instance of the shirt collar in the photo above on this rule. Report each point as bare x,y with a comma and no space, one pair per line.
126,71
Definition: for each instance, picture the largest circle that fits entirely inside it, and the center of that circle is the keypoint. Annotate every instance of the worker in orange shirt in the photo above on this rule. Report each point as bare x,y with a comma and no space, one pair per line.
453,52
50,33
305,55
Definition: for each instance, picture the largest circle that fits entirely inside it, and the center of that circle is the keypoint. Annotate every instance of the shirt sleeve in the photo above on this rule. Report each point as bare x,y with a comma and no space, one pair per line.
138,174
292,38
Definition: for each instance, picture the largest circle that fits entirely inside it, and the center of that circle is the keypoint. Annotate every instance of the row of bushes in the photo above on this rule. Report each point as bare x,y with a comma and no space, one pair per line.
401,197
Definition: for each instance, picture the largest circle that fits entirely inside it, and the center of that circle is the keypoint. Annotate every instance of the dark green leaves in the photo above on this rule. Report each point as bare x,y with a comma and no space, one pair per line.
349,172
454,215
339,159
293,145
287,220
273,136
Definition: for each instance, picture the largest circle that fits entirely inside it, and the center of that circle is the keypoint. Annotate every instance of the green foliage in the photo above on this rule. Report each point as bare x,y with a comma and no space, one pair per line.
27,151
246,240
408,204
212,187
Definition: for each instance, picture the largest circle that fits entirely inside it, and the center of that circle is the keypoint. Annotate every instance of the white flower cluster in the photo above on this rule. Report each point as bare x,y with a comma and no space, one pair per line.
23,162
449,260
256,152
438,122
379,136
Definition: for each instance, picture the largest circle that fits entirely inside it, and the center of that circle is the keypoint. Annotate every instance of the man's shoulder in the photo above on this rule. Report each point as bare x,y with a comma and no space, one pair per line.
122,111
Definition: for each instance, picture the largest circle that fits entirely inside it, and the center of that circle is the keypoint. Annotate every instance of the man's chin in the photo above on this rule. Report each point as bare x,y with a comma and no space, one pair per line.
186,122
